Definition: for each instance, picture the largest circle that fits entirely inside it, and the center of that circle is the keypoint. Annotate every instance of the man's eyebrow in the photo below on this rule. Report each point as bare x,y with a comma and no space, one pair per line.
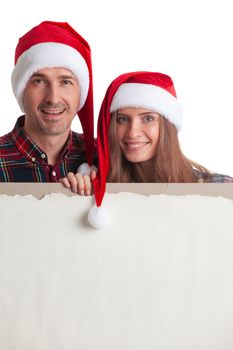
63,76
66,76
38,75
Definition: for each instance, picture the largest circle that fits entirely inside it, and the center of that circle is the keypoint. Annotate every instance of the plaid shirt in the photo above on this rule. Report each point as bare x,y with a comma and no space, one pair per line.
215,178
23,161
221,178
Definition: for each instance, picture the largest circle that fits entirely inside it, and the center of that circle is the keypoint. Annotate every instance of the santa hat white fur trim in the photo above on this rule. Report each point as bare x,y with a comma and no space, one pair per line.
49,55
86,169
150,97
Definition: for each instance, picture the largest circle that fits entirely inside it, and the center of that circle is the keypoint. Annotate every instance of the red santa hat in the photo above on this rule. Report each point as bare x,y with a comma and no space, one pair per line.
154,91
57,44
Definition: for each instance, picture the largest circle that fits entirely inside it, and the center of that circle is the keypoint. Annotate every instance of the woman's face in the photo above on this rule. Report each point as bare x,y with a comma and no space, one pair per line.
137,131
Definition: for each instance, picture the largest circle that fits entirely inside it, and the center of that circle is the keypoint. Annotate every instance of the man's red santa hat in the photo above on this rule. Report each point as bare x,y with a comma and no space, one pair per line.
150,90
57,44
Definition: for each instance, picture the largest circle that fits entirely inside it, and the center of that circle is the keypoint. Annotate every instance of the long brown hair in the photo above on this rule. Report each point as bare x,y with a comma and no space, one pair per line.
168,165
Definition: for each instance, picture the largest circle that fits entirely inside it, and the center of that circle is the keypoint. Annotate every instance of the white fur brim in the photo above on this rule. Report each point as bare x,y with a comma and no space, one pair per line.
148,96
49,55
86,169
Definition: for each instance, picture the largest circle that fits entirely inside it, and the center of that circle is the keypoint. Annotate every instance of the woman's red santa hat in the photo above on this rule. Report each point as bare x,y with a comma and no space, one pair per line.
150,90
57,44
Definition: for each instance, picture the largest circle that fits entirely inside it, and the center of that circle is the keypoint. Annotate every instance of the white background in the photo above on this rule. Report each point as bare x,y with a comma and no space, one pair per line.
189,40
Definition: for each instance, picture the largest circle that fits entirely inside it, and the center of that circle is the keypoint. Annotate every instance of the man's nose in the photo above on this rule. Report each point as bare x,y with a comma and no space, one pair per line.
52,93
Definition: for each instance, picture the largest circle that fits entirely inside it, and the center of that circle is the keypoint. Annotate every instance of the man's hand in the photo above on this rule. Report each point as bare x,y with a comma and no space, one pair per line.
78,183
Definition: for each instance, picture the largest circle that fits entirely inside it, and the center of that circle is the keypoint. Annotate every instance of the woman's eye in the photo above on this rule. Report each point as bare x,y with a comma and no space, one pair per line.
122,119
148,118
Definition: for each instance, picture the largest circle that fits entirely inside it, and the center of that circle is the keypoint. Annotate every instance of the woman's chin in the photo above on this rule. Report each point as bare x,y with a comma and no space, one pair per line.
137,158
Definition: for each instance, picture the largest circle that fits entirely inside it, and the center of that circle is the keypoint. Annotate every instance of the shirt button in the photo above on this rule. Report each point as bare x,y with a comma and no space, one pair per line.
54,173
33,159
43,156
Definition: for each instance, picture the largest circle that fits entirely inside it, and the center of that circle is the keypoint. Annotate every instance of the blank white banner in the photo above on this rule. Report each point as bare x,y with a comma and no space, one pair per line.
160,277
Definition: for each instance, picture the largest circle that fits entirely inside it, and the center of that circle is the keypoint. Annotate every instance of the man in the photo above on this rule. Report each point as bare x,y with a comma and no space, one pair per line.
52,82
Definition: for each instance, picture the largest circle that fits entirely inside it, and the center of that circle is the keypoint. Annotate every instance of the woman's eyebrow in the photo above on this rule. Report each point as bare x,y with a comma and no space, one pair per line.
149,112
123,114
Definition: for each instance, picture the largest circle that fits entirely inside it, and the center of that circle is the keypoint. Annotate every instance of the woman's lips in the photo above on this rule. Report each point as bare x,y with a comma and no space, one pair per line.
134,146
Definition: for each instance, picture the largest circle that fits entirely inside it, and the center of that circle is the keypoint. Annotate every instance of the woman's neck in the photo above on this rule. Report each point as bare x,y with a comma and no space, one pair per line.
144,171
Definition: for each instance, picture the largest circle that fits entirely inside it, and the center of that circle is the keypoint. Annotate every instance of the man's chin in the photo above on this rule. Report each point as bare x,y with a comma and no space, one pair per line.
55,131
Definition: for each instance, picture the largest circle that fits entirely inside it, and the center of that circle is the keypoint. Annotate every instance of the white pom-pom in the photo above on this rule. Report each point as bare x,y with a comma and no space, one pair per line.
99,217
85,169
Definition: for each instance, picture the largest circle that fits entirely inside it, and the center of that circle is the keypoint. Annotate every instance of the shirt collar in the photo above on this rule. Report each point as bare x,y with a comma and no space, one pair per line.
29,149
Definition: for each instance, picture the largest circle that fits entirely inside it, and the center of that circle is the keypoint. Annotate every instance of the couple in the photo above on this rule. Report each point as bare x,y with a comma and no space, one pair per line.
138,123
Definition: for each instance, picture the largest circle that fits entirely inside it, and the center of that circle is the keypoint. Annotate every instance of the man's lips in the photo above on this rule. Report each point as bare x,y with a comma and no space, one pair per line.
52,111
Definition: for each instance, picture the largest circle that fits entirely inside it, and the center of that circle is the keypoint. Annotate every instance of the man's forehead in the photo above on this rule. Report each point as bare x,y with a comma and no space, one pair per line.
55,72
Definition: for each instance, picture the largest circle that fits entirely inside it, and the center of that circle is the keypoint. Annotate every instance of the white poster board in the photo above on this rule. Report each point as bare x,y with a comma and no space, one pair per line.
160,277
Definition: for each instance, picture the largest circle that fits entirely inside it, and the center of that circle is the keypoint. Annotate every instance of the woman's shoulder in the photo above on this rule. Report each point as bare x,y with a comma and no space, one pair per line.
220,178
213,178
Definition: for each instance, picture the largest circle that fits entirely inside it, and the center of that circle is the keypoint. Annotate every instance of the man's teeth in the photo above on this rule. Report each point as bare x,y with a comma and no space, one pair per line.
52,112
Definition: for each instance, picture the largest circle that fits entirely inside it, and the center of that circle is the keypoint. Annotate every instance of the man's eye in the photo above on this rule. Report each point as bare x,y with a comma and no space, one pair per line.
122,119
67,82
38,81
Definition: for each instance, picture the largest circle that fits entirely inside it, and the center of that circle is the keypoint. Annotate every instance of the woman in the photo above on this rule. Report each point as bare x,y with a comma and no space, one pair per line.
137,138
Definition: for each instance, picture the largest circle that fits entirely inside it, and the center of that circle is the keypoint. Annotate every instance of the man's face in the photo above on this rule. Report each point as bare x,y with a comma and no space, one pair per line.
51,101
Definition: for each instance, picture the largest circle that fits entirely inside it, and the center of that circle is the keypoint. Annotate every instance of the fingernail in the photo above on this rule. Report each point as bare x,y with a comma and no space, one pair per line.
82,193
88,193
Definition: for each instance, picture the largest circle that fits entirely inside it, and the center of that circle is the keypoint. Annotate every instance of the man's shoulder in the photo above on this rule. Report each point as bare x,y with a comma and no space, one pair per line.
77,143
77,137
80,137
5,139
7,145
8,148
79,147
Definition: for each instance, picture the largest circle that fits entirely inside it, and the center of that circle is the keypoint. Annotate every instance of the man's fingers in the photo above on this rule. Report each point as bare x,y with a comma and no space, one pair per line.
73,181
65,182
87,184
80,184
93,175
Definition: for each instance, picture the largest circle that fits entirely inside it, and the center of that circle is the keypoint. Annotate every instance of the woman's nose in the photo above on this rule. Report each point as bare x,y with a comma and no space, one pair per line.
134,130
